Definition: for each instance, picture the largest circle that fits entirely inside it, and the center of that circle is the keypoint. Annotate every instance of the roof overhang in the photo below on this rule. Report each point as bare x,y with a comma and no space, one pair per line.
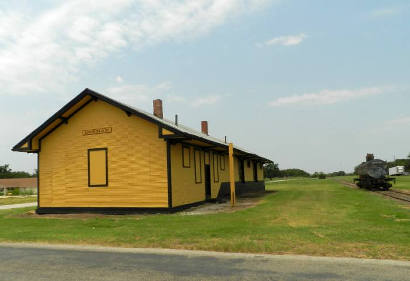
31,143
206,144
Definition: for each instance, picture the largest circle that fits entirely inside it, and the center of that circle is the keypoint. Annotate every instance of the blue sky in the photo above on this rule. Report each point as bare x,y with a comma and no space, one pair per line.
309,84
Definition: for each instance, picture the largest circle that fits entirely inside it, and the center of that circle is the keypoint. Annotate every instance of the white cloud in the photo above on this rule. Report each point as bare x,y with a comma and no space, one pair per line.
164,86
45,51
141,94
134,94
205,101
174,98
288,40
402,121
195,102
327,96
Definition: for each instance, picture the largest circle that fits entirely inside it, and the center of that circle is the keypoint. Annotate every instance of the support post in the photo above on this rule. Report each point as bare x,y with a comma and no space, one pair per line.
232,175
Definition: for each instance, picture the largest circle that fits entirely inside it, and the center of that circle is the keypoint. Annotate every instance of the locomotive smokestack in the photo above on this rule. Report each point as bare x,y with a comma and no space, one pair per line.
369,157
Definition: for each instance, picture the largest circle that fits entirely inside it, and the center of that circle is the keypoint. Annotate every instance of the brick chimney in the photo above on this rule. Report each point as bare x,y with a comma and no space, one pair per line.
204,127
158,108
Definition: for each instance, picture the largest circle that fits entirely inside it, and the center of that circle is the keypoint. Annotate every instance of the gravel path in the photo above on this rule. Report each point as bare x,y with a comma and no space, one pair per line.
15,206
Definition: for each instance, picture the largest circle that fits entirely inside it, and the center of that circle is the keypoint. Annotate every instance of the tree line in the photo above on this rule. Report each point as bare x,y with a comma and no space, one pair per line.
401,162
6,172
272,170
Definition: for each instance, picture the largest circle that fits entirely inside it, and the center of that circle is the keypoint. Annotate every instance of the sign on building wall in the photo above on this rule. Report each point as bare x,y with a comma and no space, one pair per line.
98,131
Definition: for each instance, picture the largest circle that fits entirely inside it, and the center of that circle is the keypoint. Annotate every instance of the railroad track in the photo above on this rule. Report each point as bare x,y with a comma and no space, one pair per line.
395,194
349,184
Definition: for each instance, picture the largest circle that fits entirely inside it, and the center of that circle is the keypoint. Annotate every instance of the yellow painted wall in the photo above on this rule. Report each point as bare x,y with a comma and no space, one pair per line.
166,132
184,188
260,173
248,171
223,174
236,168
137,165
97,160
35,140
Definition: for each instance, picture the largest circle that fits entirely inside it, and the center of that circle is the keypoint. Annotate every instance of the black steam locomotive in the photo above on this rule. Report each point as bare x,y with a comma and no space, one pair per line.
373,174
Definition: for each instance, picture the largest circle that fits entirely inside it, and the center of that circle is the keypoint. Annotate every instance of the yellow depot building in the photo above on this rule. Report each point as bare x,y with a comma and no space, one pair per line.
99,155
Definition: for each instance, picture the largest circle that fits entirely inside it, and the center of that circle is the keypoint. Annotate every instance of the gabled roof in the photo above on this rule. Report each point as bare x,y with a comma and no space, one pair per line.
28,144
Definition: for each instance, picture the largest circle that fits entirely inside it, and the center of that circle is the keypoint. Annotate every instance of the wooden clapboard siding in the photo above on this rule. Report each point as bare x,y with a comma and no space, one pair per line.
260,173
57,122
184,189
236,168
137,164
248,171
223,174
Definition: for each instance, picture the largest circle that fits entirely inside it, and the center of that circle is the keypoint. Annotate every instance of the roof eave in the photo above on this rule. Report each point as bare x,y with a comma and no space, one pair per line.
56,115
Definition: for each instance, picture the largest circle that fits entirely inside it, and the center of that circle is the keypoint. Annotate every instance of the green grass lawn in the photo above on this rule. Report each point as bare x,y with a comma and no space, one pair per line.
308,216
345,178
402,182
17,200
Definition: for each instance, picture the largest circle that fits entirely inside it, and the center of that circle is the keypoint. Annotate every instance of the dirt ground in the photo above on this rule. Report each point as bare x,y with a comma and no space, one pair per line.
243,202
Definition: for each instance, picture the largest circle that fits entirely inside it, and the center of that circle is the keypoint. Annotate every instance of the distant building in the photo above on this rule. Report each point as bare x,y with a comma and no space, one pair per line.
397,171
97,154
23,184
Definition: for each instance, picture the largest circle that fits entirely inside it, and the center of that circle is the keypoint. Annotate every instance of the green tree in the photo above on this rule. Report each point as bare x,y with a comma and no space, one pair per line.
407,166
401,162
321,175
271,170
337,174
294,173
6,172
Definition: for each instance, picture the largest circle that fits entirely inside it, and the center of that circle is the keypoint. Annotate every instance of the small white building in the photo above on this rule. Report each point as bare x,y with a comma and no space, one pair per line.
397,171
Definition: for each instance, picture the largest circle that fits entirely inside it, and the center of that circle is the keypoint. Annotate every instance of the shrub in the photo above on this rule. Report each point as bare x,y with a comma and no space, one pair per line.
294,173
15,191
27,192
